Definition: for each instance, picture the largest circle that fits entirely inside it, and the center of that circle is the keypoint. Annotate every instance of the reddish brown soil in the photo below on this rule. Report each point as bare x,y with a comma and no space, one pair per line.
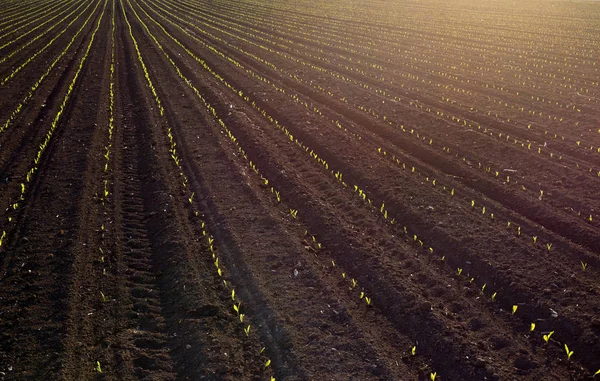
243,138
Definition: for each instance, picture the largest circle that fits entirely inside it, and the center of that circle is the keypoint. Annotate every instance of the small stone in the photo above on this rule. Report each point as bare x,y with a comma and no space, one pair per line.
479,363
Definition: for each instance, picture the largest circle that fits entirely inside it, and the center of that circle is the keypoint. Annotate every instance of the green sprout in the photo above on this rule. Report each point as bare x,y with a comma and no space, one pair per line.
569,353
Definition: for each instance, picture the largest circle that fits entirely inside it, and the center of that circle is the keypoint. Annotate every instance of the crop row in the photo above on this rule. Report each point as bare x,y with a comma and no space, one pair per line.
411,131
17,110
29,177
293,213
45,20
23,14
313,154
385,76
391,36
188,193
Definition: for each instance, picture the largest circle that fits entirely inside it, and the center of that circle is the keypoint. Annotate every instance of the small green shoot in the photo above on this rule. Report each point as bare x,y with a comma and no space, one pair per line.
413,351
569,353
532,327
98,367
514,309
548,336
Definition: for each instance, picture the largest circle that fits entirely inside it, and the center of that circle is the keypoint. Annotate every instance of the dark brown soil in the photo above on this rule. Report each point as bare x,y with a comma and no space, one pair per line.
287,190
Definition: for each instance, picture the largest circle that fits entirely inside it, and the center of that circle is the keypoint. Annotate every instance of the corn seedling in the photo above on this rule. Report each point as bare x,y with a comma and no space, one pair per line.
548,336
354,283
242,318
268,363
233,294
483,287
514,309
443,258
432,376
343,275
333,263
532,327
584,266
459,271
413,350
191,197
104,298
534,240
98,367
569,353
597,373
368,300
494,296
294,213
247,330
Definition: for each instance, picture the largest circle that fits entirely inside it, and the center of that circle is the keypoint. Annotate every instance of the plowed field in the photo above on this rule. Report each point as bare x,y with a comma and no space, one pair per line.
290,190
